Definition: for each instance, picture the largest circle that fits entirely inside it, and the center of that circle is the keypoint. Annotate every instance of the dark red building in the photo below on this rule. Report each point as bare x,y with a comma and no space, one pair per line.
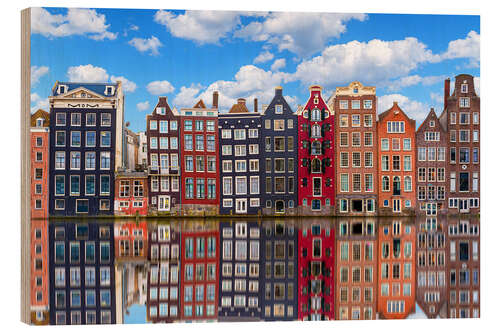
316,261
199,137
316,155
199,292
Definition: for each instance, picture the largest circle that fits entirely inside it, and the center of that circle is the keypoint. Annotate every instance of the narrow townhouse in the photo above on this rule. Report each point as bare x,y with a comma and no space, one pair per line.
239,271
431,290
316,271
461,119
39,137
163,303
199,274
131,193
278,153
131,254
431,141
356,154
316,175
163,157
239,140
396,150
396,266
82,274
279,270
200,173
464,267
142,155
86,147
356,269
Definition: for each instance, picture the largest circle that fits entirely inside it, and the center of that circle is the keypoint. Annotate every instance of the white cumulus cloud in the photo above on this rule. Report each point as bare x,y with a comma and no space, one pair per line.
278,63
301,33
187,96
77,21
146,44
37,72
200,26
38,102
375,61
249,82
263,57
128,86
87,73
142,106
413,109
464,48
160,87
412,80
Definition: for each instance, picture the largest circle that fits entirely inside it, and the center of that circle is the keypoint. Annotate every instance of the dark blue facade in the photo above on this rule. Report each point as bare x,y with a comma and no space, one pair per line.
85,168
81,273
242,151
279,157
240,272
279,266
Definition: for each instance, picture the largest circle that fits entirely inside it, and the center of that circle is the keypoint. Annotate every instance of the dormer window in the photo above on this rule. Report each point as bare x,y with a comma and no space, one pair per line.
39,122
160,110
355,90
464,88
61,89
109,90
83,95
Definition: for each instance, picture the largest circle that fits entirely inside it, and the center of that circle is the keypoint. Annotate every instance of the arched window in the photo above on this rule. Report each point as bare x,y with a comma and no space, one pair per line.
316,115
316,165
396,186
315,131
316,148
385,183
407,183
305,114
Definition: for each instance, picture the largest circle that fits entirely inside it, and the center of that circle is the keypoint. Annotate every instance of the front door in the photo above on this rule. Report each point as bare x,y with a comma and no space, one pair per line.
463,205
396,205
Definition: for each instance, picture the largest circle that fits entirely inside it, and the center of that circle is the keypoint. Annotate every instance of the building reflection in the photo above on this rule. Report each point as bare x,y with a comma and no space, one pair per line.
243,269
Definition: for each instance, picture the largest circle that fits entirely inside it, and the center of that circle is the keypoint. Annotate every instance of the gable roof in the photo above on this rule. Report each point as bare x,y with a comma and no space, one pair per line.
239,107
431,115
200,105
163,103
40,114
395,108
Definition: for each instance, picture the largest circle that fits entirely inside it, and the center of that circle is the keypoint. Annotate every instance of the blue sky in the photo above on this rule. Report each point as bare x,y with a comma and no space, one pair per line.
188,55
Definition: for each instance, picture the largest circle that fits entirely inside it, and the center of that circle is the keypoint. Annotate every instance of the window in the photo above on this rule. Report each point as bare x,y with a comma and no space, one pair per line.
75,138
395,127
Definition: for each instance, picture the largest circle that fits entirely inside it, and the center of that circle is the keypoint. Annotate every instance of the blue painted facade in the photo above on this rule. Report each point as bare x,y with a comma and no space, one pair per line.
279,266
82,151
279,157
240,166
240,271
81,273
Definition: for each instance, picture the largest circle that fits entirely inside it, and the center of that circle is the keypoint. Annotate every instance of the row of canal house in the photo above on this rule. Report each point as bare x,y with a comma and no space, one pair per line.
331,157
242,270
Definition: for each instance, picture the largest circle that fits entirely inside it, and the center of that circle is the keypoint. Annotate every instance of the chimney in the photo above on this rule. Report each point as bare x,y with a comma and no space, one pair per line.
255,105
242,101
446,92
278,91
215,100
162,99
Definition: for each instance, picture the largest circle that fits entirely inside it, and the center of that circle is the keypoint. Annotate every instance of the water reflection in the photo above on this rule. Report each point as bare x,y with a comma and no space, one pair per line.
170,270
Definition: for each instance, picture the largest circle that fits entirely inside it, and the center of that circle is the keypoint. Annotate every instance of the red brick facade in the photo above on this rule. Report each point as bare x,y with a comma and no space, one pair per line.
396,170
131,193
356,149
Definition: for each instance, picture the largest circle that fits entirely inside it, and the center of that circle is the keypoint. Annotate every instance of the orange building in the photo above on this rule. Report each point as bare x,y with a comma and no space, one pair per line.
396,266
131,240
131,193
39,214
356,266
396,168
